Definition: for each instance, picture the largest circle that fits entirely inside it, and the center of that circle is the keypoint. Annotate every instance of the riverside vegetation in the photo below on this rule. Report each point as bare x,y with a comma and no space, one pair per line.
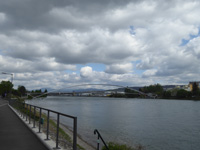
115,146
7,91
157,91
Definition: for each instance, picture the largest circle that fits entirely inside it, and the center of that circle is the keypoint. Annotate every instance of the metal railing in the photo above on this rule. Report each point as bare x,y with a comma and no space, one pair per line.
27,115
100,138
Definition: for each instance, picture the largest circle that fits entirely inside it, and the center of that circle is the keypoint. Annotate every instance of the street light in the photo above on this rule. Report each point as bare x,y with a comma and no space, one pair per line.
9,74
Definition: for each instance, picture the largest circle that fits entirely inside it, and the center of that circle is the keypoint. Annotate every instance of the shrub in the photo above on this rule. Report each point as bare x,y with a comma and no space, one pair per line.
115,146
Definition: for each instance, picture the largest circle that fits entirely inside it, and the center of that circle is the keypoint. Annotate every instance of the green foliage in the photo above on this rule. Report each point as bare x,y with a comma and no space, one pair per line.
189,94
117,95
22,90
157,89
130,93
195,89
16,93
182,93
61,131
30,97
167,94
5,87
115,146
38,93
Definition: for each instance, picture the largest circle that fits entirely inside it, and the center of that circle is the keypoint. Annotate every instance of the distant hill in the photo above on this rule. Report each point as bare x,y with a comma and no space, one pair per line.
70,90
94,89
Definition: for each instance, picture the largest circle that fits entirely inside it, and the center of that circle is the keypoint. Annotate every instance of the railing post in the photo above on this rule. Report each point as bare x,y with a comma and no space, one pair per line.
57,134
26,112
40,121
47,125
75,134
23,110
34,117
18,108
30,115
98,142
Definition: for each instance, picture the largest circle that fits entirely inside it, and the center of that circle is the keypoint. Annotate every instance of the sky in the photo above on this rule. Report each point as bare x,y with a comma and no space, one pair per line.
61,43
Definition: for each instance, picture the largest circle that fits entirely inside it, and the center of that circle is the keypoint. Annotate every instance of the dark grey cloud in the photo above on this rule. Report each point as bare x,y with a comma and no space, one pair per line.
119,68
52,16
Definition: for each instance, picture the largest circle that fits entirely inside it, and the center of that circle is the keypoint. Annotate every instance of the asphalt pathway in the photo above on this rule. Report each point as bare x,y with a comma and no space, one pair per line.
14,134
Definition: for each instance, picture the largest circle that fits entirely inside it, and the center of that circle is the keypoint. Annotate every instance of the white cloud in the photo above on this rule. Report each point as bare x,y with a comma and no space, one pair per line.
148,73
41,45
86,72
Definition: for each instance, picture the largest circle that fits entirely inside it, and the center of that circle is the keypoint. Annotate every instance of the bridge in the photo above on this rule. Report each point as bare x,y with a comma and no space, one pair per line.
92,92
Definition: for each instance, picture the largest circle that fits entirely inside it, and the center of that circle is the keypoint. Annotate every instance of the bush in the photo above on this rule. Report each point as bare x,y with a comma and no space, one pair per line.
114,146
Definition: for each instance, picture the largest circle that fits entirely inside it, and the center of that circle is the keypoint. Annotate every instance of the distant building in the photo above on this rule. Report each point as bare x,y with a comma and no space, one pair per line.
191,84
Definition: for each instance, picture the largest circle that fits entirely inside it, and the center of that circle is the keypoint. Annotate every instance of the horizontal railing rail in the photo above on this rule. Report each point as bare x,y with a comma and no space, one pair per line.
100,137
28,110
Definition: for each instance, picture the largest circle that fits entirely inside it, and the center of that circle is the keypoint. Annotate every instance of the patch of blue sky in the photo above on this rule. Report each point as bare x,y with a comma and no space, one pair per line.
137,71
131,30
70,71
185,42
97,66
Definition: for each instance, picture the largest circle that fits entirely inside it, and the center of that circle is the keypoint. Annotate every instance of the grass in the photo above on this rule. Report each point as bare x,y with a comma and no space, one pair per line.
61,131
116,146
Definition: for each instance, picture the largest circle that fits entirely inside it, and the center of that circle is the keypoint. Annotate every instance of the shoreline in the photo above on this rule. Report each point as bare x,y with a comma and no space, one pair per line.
160,98
80,140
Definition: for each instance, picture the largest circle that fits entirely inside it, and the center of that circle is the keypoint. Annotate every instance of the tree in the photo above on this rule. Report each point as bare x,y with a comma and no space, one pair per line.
195,89
156,88
22,90
45,92
182,93
167,94
5,88
130,93
16,92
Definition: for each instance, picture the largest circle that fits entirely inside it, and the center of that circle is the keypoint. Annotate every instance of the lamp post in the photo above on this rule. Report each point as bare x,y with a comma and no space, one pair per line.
9,74
11,79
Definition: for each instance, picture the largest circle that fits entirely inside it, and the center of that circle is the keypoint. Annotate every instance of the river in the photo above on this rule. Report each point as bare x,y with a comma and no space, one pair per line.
155,124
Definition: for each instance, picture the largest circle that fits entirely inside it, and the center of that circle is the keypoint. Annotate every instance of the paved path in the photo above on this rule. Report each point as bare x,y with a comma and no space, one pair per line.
14,134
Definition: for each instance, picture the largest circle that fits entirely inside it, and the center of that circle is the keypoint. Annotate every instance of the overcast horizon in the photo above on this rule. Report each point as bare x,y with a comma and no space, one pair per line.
57,44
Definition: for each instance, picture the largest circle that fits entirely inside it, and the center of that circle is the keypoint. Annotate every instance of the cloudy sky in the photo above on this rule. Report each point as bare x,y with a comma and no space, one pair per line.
60,43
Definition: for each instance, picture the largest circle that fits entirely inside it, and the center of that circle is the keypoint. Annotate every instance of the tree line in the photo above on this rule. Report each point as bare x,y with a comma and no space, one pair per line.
158,91
175,93
6,90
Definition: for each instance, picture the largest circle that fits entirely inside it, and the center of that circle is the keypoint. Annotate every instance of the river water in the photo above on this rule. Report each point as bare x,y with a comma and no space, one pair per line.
155,124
